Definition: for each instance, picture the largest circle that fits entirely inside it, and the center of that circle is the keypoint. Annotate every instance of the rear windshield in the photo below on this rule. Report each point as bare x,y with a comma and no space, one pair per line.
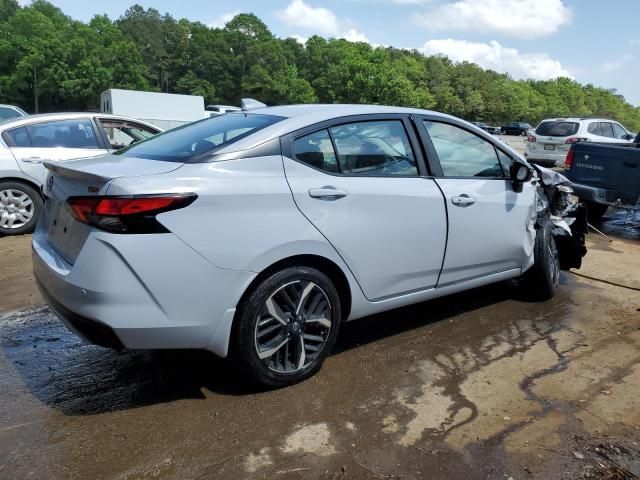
193,141
557,129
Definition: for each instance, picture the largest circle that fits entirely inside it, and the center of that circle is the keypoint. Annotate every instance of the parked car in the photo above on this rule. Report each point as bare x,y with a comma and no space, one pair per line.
605,176
27,142
553,137
516,128
11,111
488,128
256,234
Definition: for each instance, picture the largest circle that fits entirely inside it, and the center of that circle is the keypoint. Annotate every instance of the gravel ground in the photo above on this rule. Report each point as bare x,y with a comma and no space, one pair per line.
481,385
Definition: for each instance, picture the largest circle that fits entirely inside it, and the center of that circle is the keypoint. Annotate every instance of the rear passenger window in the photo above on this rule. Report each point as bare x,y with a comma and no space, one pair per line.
63,133
316,151
374,148
461,153
605,128
17,137
594,129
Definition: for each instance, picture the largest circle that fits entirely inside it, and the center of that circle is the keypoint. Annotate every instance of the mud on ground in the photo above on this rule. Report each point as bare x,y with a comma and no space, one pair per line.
481,385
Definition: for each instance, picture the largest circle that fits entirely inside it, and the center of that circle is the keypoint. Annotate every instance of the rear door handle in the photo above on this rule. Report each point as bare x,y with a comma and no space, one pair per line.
33,160
463,200
327,193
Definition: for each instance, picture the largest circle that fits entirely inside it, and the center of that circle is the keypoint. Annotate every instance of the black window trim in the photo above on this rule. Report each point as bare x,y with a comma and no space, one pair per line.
286,142
432,154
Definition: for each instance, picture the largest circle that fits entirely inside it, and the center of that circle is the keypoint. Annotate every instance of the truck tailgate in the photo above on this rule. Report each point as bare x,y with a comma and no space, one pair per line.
606,166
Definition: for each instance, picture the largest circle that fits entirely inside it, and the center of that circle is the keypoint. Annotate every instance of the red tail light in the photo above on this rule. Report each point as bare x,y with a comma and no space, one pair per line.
568,160
134,214
572,140
532,138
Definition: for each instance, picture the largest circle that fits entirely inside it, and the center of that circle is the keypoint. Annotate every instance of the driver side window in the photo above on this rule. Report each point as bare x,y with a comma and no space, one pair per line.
463,154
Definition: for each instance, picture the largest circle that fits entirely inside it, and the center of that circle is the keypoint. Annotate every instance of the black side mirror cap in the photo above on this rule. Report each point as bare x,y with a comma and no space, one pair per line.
519,174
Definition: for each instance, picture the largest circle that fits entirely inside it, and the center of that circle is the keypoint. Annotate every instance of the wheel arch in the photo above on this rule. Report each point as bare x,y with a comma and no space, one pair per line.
324,264
27,181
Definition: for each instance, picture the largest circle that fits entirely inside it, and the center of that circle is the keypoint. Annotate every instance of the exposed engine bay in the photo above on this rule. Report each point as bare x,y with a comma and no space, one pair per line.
557,204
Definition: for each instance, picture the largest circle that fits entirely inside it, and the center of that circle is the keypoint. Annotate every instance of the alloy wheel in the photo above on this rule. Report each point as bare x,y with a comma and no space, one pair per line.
16,208
293,326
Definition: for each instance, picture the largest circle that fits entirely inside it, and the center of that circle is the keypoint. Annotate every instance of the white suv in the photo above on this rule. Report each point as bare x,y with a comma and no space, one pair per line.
553,137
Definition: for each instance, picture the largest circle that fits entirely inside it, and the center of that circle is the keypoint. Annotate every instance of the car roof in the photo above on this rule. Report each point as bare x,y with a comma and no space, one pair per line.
578,119
43,117
300,116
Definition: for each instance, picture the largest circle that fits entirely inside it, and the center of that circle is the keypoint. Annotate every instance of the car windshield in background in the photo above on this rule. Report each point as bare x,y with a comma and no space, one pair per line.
190,142
557,129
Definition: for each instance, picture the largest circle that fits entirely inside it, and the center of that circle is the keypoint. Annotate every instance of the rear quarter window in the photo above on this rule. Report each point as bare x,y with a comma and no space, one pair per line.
557,129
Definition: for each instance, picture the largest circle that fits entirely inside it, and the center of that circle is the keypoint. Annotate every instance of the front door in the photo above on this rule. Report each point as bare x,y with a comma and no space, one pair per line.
358,183
490,225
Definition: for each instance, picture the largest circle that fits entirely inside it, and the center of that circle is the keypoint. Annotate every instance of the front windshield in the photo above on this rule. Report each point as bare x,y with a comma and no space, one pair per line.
190,142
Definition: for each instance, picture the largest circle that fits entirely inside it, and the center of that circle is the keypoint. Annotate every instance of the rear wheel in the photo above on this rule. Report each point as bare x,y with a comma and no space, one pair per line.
20,207
287,326
541,280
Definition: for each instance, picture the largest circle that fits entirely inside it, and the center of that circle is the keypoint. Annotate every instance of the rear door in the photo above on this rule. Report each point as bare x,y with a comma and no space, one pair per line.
360,182
52,141
490,225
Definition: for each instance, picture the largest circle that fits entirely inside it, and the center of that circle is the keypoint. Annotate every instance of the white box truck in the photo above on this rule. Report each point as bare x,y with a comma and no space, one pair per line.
164,110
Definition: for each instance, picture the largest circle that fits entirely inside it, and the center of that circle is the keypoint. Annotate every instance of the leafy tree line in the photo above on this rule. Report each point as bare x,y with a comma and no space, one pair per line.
50,62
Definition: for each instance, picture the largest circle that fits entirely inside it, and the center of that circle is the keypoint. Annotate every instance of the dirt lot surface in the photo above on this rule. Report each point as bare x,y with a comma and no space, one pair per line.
480,385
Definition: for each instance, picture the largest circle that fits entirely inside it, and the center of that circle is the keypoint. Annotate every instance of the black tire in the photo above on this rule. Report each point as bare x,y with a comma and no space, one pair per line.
244,343
595,211
542,279
523,133
34,196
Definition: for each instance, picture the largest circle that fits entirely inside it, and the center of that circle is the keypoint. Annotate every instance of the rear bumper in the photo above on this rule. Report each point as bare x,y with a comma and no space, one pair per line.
545,159
140,293
606,196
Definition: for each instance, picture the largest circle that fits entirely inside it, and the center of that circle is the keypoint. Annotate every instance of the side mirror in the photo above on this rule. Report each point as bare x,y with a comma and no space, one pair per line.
628,137
519,173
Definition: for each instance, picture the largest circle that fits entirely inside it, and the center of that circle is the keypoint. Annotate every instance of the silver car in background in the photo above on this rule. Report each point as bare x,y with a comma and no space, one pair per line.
26,142
255,234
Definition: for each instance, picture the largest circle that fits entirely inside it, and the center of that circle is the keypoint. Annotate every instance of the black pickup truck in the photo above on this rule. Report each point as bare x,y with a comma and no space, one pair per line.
605,175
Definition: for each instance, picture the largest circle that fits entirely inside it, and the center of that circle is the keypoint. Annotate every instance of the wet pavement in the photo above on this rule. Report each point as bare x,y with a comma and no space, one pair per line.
484,384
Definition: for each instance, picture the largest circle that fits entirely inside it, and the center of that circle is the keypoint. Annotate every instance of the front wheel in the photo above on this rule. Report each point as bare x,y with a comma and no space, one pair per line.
286,327
542,279
595,211
20,207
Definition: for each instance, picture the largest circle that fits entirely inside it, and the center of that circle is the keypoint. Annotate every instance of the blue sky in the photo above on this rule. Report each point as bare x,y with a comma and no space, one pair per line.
591,41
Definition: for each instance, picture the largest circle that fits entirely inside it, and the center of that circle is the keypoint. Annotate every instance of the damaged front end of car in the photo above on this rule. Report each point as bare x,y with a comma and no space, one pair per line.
556,204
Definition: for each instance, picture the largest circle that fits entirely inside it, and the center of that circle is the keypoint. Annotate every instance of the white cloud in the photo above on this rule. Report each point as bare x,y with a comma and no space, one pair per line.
299,38
318,20
617,63
301,15
354,35
223,19
517,18
492,55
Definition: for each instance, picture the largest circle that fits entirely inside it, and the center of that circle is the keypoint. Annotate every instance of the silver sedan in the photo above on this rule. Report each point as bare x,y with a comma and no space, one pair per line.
255,234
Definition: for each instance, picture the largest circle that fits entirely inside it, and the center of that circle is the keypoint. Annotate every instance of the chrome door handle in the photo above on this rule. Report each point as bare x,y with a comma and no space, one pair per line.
327,193
33,160
463,200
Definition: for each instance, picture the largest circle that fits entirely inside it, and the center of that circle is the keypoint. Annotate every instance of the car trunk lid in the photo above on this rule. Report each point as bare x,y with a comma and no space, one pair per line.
87,177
